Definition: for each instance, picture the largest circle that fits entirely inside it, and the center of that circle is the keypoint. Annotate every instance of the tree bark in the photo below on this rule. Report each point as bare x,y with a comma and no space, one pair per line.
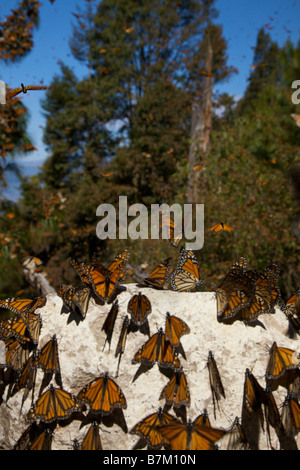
200,129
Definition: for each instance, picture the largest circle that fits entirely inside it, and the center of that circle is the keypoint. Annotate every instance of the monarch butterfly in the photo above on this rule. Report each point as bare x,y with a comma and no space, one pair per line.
221,226
236,437
105,281
23,306
235,291
16,354
148,428
190,436
215,381
281,359
296,118
92,439
14,327
292,309
139,306
26,379
122,341
290,415
169,223
76,300
80,271
157,349
175,328
203,419
54,404
159,277
266,293
27,437
43,441
254,395
186,277
120,260
108,325
177,392
24,89
102,395
271,412
48,358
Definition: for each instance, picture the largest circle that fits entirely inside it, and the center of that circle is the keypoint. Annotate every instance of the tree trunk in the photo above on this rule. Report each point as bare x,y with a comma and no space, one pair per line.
200,130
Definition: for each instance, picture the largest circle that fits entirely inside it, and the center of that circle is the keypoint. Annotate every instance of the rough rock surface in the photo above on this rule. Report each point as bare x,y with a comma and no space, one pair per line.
84,355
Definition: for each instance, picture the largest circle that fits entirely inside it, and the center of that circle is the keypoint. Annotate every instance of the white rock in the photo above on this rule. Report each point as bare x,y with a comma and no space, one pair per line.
82,358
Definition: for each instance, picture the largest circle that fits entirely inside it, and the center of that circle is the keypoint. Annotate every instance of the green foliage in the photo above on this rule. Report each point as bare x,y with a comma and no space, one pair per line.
125,130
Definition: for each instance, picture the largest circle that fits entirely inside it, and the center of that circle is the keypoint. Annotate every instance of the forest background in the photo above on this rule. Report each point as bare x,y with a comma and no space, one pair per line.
145,122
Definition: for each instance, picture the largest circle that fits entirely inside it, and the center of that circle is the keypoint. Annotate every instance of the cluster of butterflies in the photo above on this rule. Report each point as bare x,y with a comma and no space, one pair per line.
243,294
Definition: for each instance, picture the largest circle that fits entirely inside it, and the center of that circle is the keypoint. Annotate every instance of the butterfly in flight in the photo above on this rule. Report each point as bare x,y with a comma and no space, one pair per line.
296,118
221,226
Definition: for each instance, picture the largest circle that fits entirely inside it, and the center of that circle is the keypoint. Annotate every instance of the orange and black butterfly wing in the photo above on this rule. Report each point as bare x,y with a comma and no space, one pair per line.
81,300
157,349
16,354
190,436
120,263
48,357
33,323
177,392
203,419
54,404
14,328
280,360
103,395
80,271
292,309
66,292
92,439
290,415
21,306
186,277
43,441
26,379
148,428
175,328
254,395
139,306
159,277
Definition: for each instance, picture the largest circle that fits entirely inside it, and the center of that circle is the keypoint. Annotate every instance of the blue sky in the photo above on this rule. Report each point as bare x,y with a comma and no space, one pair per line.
241,20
